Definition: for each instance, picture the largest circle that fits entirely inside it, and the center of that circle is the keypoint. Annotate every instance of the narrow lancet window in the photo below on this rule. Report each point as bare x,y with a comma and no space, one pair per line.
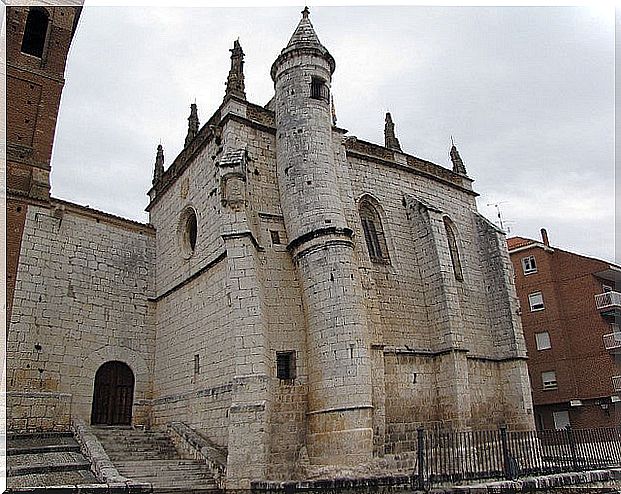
373,232
453,249
35,32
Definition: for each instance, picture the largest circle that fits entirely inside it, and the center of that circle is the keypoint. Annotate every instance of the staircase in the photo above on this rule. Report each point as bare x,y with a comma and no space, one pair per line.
150,456
38,460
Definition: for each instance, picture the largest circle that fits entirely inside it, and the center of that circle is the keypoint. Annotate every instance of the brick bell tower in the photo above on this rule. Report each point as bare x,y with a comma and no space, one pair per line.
37,43
339,402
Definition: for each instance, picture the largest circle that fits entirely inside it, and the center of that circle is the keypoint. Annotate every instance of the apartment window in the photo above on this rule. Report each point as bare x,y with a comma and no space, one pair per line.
543,340
285,365
529,265
549,380
35,32
535,300
561,420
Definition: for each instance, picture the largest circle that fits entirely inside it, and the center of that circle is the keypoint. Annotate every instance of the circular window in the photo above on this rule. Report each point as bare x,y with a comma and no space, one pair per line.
188,229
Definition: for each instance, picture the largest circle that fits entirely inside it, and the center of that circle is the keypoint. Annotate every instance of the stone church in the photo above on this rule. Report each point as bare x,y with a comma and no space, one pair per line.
300,297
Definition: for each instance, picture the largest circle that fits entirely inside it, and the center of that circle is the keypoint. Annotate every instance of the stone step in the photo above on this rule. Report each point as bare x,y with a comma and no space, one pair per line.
187,490
181,486
173,481
150,456
142,447
122,456
52,478
163,471
137,442
169,476
53,448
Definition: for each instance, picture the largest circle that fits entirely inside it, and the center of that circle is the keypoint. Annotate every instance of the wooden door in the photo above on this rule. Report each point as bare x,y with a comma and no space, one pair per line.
113,394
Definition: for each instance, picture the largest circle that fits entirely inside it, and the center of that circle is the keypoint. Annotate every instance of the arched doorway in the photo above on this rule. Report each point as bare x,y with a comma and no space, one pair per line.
113,394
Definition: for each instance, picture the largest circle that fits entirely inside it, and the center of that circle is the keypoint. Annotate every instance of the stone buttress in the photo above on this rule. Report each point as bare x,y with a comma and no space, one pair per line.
339,409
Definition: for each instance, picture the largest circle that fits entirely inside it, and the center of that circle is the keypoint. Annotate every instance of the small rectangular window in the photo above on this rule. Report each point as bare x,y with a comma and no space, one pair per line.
285,365
319,89
543,340
197,364
548,380
275,237
535,300
529,265
561,420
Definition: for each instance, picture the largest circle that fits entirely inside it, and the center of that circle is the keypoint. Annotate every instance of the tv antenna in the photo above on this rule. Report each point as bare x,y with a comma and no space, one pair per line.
499,214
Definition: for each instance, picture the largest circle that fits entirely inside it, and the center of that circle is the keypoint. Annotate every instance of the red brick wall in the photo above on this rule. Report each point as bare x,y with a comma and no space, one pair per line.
587,416
582,365
34,86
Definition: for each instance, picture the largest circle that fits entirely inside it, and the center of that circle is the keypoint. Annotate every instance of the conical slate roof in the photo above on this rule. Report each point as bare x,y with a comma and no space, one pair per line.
304,34
304,38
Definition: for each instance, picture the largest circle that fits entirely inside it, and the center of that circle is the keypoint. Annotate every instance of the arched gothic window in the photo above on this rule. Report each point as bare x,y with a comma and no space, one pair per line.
373,232
453,249
35,32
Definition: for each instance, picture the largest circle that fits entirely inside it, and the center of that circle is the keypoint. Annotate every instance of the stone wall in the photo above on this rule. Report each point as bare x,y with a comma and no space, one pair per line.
81,299
288,431
417,306
192,324
33,411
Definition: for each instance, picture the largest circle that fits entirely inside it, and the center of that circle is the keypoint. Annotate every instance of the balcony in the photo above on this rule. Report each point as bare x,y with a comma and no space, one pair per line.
612,341
616,383
608,301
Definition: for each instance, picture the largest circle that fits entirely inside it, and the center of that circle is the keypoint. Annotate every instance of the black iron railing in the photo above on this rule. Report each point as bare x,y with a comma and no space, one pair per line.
449,457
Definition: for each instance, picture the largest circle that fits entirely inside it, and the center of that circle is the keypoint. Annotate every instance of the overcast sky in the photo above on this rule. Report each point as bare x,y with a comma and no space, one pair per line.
527,93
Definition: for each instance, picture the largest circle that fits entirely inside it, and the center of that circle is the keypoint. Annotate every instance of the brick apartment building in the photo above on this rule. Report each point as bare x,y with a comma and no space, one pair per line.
570,307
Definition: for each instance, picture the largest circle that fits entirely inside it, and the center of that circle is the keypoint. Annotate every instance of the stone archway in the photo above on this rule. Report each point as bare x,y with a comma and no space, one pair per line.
113,394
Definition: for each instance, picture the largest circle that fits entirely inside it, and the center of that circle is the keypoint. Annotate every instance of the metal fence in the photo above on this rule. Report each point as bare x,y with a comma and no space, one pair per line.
449,457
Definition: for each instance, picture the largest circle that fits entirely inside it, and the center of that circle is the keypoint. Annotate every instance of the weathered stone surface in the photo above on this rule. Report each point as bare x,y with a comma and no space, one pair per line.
380,338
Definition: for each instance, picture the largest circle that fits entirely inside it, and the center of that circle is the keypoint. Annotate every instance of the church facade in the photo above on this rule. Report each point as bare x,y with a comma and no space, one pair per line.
302,298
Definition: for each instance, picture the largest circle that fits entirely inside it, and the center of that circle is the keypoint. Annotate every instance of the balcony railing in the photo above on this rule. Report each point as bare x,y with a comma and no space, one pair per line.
608,300
616,383
612,341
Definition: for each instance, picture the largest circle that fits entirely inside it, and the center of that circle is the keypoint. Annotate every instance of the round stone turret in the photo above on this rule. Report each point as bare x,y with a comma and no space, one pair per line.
339,402
302,75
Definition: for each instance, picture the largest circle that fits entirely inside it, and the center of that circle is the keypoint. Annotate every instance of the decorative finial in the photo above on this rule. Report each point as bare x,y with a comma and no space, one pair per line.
390,140
192,124
235,81
305,13
458,164
159,163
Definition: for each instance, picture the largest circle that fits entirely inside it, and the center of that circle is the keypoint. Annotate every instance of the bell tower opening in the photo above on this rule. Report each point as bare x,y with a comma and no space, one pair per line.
35,32
113,394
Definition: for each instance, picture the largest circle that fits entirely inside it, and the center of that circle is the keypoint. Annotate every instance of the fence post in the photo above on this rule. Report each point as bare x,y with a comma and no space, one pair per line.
505,453
420,453
572,447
